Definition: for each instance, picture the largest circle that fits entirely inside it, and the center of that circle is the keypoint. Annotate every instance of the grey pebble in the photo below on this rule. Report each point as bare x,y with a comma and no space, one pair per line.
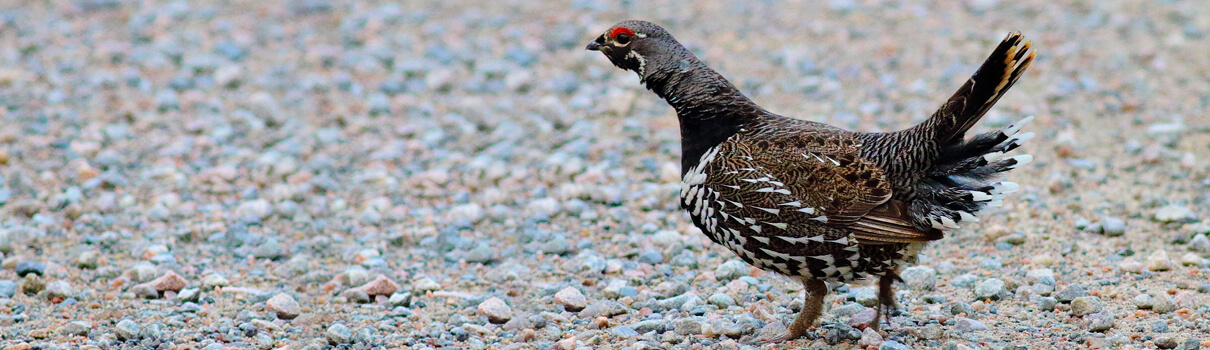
1200,243
650,256
1041,276
607,308
1143,301
145,291
128,329
1045,303
1071,292
339,334
1084,306
893,345
80,328
649,326
991,289
865,296
60,289
689,325
1174,213
722,300
1112,227
967,324
1100,321
1163,303
848,309
623,331
964,281
481,254
28,267
919,277
558,245
731,269
8,289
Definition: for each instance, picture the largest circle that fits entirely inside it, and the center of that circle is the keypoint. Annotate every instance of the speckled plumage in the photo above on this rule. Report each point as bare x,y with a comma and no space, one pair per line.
816,202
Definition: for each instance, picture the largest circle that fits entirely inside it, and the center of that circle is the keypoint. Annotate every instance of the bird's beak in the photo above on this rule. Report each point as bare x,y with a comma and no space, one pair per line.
593,46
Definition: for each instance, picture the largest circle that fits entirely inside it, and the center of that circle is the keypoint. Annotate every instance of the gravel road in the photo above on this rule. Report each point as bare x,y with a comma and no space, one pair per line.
319,174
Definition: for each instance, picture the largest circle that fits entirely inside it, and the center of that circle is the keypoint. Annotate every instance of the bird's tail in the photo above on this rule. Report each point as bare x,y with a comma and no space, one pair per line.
962,181
998,73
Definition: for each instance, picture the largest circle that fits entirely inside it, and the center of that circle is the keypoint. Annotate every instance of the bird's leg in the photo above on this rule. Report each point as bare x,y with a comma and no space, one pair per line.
886,300
812,306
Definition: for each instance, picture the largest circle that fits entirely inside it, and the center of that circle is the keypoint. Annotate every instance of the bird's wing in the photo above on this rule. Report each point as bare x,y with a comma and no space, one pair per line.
791,186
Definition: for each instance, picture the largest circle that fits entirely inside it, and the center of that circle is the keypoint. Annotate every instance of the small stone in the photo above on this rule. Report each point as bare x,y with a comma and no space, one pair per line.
1162,303
893,345
571,299
258,208
8,289
60,289
567,343
170,281
864,296
470,213
425,284
731,269
1084,306
128,330
1041,276
1113,227
355,295
623,331
213,281
964,281
991,289
966,324
32,284
869,337
28,267
1175,213
481,254
1100,321
80,328
381,285
613,289
1046,303
189,294
496,310
606,308
1159,261
1191,259
919,277
862,318
1200,243
689,325
666,238
1165,343
284,306
88,259
401,299
543,208
650,256
558,245
1143,301
1073,291
339,334
722,300
145,291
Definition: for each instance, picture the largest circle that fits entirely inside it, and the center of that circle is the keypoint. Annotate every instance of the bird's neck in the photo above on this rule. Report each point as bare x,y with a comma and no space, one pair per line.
709,107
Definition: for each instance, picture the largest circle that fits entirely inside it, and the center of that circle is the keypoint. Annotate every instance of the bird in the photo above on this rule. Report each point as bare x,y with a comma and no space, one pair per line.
815,202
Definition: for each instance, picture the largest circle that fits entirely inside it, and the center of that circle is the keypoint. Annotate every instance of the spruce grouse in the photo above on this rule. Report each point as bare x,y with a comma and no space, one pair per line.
815,202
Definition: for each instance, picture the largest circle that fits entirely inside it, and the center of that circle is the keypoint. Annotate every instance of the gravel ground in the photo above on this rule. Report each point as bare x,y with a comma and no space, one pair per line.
461,174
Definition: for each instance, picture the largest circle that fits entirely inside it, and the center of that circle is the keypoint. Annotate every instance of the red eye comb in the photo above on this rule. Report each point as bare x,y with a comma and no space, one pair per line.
621,30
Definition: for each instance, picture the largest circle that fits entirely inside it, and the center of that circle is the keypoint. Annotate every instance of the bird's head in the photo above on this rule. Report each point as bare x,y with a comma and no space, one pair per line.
635,46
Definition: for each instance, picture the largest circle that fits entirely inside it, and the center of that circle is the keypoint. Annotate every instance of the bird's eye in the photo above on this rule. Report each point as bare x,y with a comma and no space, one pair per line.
622,38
